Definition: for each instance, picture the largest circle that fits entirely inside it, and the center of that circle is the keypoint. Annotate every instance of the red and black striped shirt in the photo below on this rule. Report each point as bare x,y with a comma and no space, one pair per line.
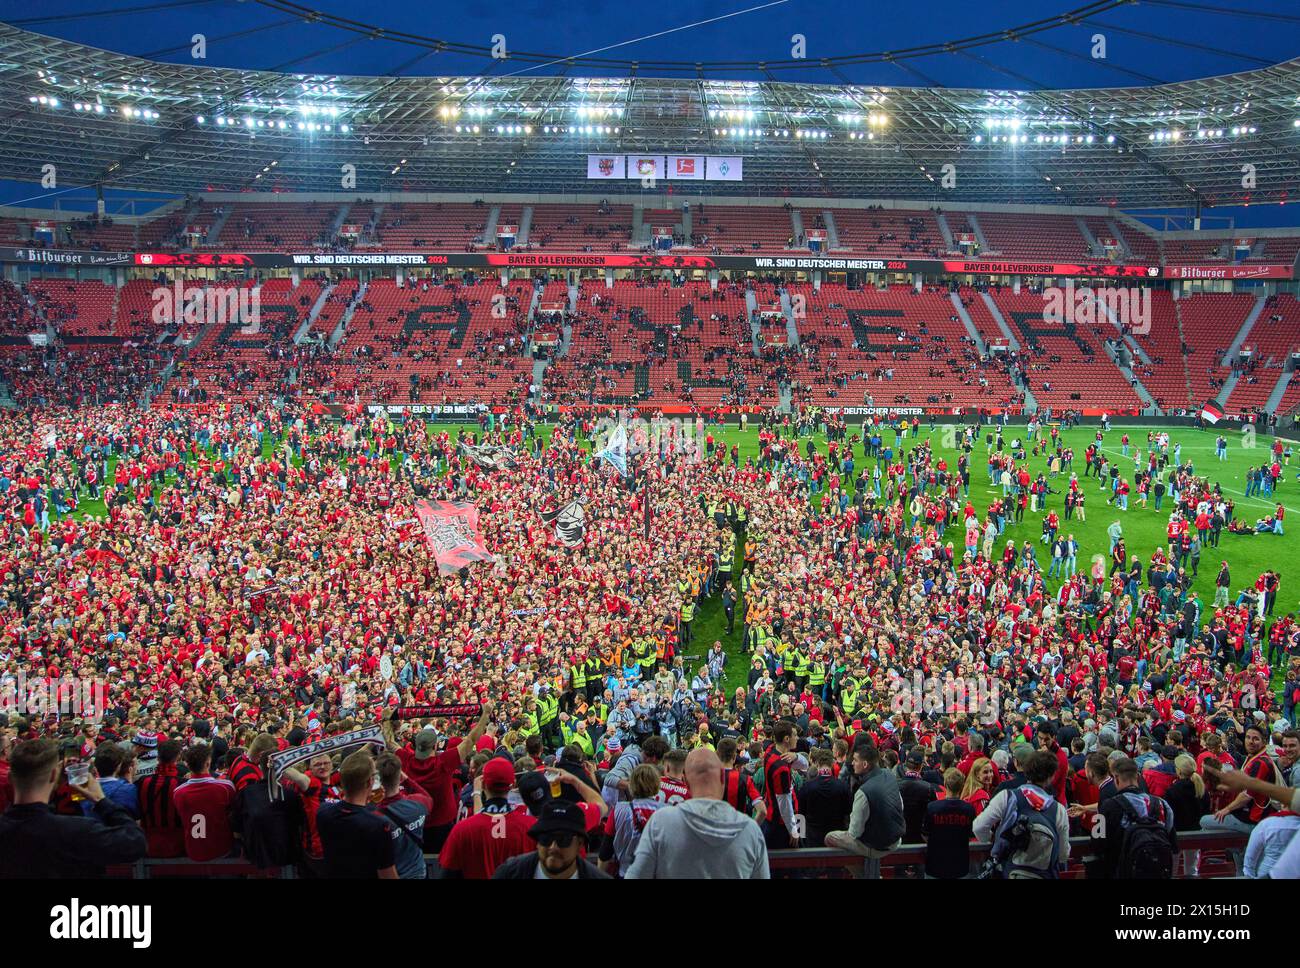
158,814
243,771
738,790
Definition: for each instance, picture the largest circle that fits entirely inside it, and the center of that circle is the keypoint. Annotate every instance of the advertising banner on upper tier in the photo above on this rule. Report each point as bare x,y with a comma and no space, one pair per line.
649,167
999,267
675,260
1228,272
427,409
725,168
630,260
686,167
65,257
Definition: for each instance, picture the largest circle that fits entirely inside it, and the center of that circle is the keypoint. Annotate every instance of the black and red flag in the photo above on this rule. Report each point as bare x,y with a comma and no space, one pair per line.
452,533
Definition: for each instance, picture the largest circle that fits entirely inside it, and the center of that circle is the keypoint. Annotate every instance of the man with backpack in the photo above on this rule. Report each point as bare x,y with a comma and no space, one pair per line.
1136,829
1027,826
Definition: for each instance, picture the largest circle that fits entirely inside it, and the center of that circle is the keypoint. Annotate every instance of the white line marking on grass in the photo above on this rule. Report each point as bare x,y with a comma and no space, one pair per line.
1237,496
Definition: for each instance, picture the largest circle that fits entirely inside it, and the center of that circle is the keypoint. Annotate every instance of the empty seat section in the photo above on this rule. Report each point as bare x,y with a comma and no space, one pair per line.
1066,364
1273,337
1047,238
434,225
888,234
737,230
1210,323
575,228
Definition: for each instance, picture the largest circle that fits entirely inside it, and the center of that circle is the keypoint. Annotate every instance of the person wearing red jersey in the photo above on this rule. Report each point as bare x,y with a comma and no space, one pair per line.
246,767
781,829
159,817
672,783
316,790
478,845
738,787
433,772
1162,776
1247,809
1047,741
204,803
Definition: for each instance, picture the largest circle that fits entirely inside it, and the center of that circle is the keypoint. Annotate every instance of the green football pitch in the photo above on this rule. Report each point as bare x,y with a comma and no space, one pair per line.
1144,529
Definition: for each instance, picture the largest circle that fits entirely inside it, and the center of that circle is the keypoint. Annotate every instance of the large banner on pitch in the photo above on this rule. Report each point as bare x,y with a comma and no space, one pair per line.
452,532
606,167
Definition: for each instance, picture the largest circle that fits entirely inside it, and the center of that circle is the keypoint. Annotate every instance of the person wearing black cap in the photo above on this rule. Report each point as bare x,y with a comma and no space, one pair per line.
560,833
917,794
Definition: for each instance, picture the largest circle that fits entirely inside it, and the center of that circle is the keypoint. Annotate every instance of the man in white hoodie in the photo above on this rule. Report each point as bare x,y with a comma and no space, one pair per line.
703,837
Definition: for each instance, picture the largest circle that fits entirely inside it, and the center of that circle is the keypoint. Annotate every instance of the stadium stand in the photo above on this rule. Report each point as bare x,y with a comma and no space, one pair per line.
1064,363
1210,321
1044,237
413,225
1272,339
888,233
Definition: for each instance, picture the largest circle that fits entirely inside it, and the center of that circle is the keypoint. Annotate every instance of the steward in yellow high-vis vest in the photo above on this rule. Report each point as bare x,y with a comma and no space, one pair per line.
578,735
687,616
796,666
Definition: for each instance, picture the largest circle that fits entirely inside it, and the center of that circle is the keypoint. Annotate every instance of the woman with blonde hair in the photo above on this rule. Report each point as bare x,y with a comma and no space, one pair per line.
979,784
1187,796
625,822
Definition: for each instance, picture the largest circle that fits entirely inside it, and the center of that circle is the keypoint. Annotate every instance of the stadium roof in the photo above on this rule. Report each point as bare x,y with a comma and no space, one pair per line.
111,119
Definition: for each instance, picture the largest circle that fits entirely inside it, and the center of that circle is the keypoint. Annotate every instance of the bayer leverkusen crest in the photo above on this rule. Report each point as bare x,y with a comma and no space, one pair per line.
606,166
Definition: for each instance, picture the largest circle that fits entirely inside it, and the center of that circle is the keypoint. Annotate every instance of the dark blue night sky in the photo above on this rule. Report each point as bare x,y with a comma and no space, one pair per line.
1138,36
567,27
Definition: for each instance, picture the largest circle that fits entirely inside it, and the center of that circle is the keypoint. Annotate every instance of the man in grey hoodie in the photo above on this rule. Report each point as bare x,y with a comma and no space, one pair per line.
703,837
